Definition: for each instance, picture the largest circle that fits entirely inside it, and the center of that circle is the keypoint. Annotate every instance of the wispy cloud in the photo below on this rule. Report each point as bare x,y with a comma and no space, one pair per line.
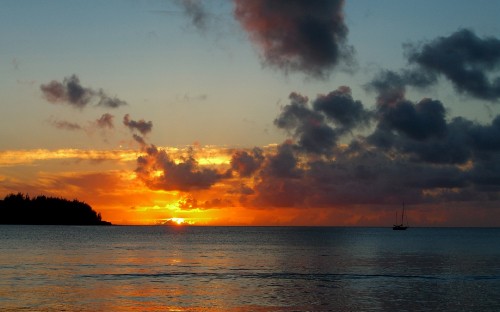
27,157
65,125
105,121
195,10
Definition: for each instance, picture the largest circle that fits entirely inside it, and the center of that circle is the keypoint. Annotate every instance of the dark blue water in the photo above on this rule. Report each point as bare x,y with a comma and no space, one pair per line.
68,268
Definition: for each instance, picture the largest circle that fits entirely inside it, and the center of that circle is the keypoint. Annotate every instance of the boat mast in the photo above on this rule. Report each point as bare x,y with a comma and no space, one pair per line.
403,214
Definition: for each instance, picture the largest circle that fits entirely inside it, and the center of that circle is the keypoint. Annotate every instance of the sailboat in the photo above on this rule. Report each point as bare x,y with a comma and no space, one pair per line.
401,226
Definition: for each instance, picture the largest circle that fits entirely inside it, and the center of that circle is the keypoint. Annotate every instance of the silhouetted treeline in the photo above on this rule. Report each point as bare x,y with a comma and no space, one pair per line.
21,209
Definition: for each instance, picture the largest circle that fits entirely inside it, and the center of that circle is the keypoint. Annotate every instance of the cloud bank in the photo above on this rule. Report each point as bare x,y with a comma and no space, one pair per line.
409,150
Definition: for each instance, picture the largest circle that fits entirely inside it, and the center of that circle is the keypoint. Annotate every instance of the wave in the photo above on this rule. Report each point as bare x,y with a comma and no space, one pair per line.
323,277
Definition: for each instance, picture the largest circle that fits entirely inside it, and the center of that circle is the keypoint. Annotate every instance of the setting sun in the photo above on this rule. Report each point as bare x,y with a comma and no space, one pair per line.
249,155
178,221
179,138
175,221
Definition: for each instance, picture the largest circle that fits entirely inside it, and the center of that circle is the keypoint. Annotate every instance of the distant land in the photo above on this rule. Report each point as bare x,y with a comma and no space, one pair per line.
43,210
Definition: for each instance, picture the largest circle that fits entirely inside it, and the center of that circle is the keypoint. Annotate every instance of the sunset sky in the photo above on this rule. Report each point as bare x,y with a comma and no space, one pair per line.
254,112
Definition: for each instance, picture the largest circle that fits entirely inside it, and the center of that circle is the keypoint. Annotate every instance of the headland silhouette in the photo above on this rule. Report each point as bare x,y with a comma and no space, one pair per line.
43,210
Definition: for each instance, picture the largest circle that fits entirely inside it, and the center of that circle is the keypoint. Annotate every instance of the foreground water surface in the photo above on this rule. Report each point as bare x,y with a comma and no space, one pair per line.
160,268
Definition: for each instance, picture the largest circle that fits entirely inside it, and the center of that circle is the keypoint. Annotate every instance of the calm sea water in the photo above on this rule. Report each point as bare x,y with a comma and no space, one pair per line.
121,268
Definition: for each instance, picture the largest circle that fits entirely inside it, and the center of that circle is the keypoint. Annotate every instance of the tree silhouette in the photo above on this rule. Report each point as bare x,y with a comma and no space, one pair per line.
21,209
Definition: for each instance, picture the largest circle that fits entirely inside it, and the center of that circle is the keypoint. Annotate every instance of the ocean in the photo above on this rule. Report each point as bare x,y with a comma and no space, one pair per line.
168,268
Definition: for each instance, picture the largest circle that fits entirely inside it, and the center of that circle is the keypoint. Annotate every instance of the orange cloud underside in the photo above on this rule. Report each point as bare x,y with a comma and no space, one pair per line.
107,181
93,177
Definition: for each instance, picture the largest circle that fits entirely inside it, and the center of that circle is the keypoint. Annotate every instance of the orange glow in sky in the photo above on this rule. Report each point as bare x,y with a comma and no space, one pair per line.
107,181
235,113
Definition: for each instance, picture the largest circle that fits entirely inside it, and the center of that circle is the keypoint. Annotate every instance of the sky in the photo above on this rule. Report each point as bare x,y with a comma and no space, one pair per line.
254,112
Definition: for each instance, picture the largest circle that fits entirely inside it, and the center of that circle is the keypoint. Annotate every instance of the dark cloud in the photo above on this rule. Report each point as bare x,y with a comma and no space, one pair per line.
243,190
158,171
308,126
339,107
190,202
421,130
105,121
217,203
468,61
139,139
391,86
196,12
414,153
107,101
144,127
318,128
71,92
361,176
284,164
246,163
274,192
280,181
66,125
485,177
417,121
296,35
453,147
486,138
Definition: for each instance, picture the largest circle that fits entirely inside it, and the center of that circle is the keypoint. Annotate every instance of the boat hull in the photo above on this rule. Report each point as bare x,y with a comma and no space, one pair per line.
399,228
